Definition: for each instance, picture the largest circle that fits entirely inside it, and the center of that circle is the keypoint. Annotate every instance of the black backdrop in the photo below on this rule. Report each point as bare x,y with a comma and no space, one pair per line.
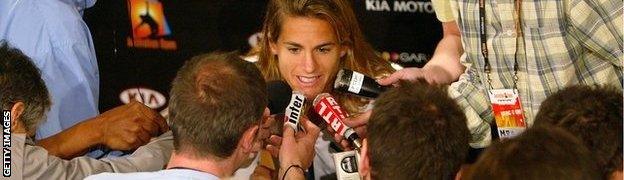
138,62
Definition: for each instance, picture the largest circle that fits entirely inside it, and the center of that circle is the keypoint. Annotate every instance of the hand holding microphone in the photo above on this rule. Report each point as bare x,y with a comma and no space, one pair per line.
129,126
287,109
358,123
358,84
330,111
297,148
294,147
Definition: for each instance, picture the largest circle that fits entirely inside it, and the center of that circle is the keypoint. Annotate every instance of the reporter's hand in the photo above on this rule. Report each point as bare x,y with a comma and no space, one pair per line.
408,74
274,144
358,123
298,148
274,141
129,126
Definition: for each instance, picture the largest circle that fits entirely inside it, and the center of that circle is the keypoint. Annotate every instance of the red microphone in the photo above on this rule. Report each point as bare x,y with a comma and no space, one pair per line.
327,107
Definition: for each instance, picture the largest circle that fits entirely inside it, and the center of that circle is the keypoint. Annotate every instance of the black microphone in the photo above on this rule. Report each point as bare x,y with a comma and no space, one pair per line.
358,84
286,106
279,96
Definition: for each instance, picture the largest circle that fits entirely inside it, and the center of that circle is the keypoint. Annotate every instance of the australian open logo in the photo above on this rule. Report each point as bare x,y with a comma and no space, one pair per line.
149,26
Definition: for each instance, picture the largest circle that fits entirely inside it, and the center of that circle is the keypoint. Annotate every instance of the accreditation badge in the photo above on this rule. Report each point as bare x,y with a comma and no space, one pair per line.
508,112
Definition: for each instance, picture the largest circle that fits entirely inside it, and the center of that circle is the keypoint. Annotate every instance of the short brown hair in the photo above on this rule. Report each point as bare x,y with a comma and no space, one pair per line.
593,114
20,81
215,98
417,132
540,153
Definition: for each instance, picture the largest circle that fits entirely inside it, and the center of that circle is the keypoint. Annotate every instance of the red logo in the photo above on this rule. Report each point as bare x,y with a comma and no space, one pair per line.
327,107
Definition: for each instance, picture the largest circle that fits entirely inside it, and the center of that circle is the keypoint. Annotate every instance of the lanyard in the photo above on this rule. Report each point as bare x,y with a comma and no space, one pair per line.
483,37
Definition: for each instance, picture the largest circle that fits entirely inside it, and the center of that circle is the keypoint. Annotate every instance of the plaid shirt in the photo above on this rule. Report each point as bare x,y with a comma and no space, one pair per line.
562,43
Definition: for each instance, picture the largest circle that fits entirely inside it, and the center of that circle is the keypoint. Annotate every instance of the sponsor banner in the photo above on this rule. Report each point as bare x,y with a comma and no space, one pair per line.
400,6
142,43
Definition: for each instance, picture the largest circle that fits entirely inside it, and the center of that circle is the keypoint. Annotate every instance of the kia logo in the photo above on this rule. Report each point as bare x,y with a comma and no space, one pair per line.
149,97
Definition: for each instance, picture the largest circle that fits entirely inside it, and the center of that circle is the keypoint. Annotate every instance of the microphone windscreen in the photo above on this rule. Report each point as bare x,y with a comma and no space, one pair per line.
279,96
357,83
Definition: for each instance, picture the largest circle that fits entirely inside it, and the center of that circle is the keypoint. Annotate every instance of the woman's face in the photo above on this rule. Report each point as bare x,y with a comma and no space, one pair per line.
308,54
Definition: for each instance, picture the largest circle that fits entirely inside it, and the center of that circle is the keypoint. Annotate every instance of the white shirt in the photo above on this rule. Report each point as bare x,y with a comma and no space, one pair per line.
163,174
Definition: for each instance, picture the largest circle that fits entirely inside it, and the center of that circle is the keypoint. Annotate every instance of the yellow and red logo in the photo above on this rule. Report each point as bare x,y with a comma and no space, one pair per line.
149,26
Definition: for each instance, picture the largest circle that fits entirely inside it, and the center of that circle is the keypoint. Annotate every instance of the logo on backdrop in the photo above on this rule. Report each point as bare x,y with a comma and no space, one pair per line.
149,97
400,6
149,27
404,57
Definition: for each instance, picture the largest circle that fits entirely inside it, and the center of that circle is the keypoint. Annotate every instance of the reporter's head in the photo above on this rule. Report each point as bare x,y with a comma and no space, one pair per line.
539,153
22,91
415,132
217,102
593,114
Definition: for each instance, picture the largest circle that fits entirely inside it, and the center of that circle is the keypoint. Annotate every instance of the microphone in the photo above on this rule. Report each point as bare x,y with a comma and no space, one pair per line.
358,84
286,106
327,107
294,110
279,96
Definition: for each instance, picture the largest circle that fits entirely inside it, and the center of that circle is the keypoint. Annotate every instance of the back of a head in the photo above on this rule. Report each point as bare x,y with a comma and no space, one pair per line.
593,114
540,153
214,99
20,81
417,132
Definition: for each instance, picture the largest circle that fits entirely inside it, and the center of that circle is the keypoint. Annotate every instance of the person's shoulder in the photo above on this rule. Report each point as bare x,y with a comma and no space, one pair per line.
55,8
169,174
62,21
127,176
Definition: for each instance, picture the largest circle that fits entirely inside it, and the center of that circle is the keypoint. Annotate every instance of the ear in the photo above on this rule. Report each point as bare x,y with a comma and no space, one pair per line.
265,128
617,174
364,166
248,140
267,112
273,48
344,50
462,168
16,114
266,121
16,111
